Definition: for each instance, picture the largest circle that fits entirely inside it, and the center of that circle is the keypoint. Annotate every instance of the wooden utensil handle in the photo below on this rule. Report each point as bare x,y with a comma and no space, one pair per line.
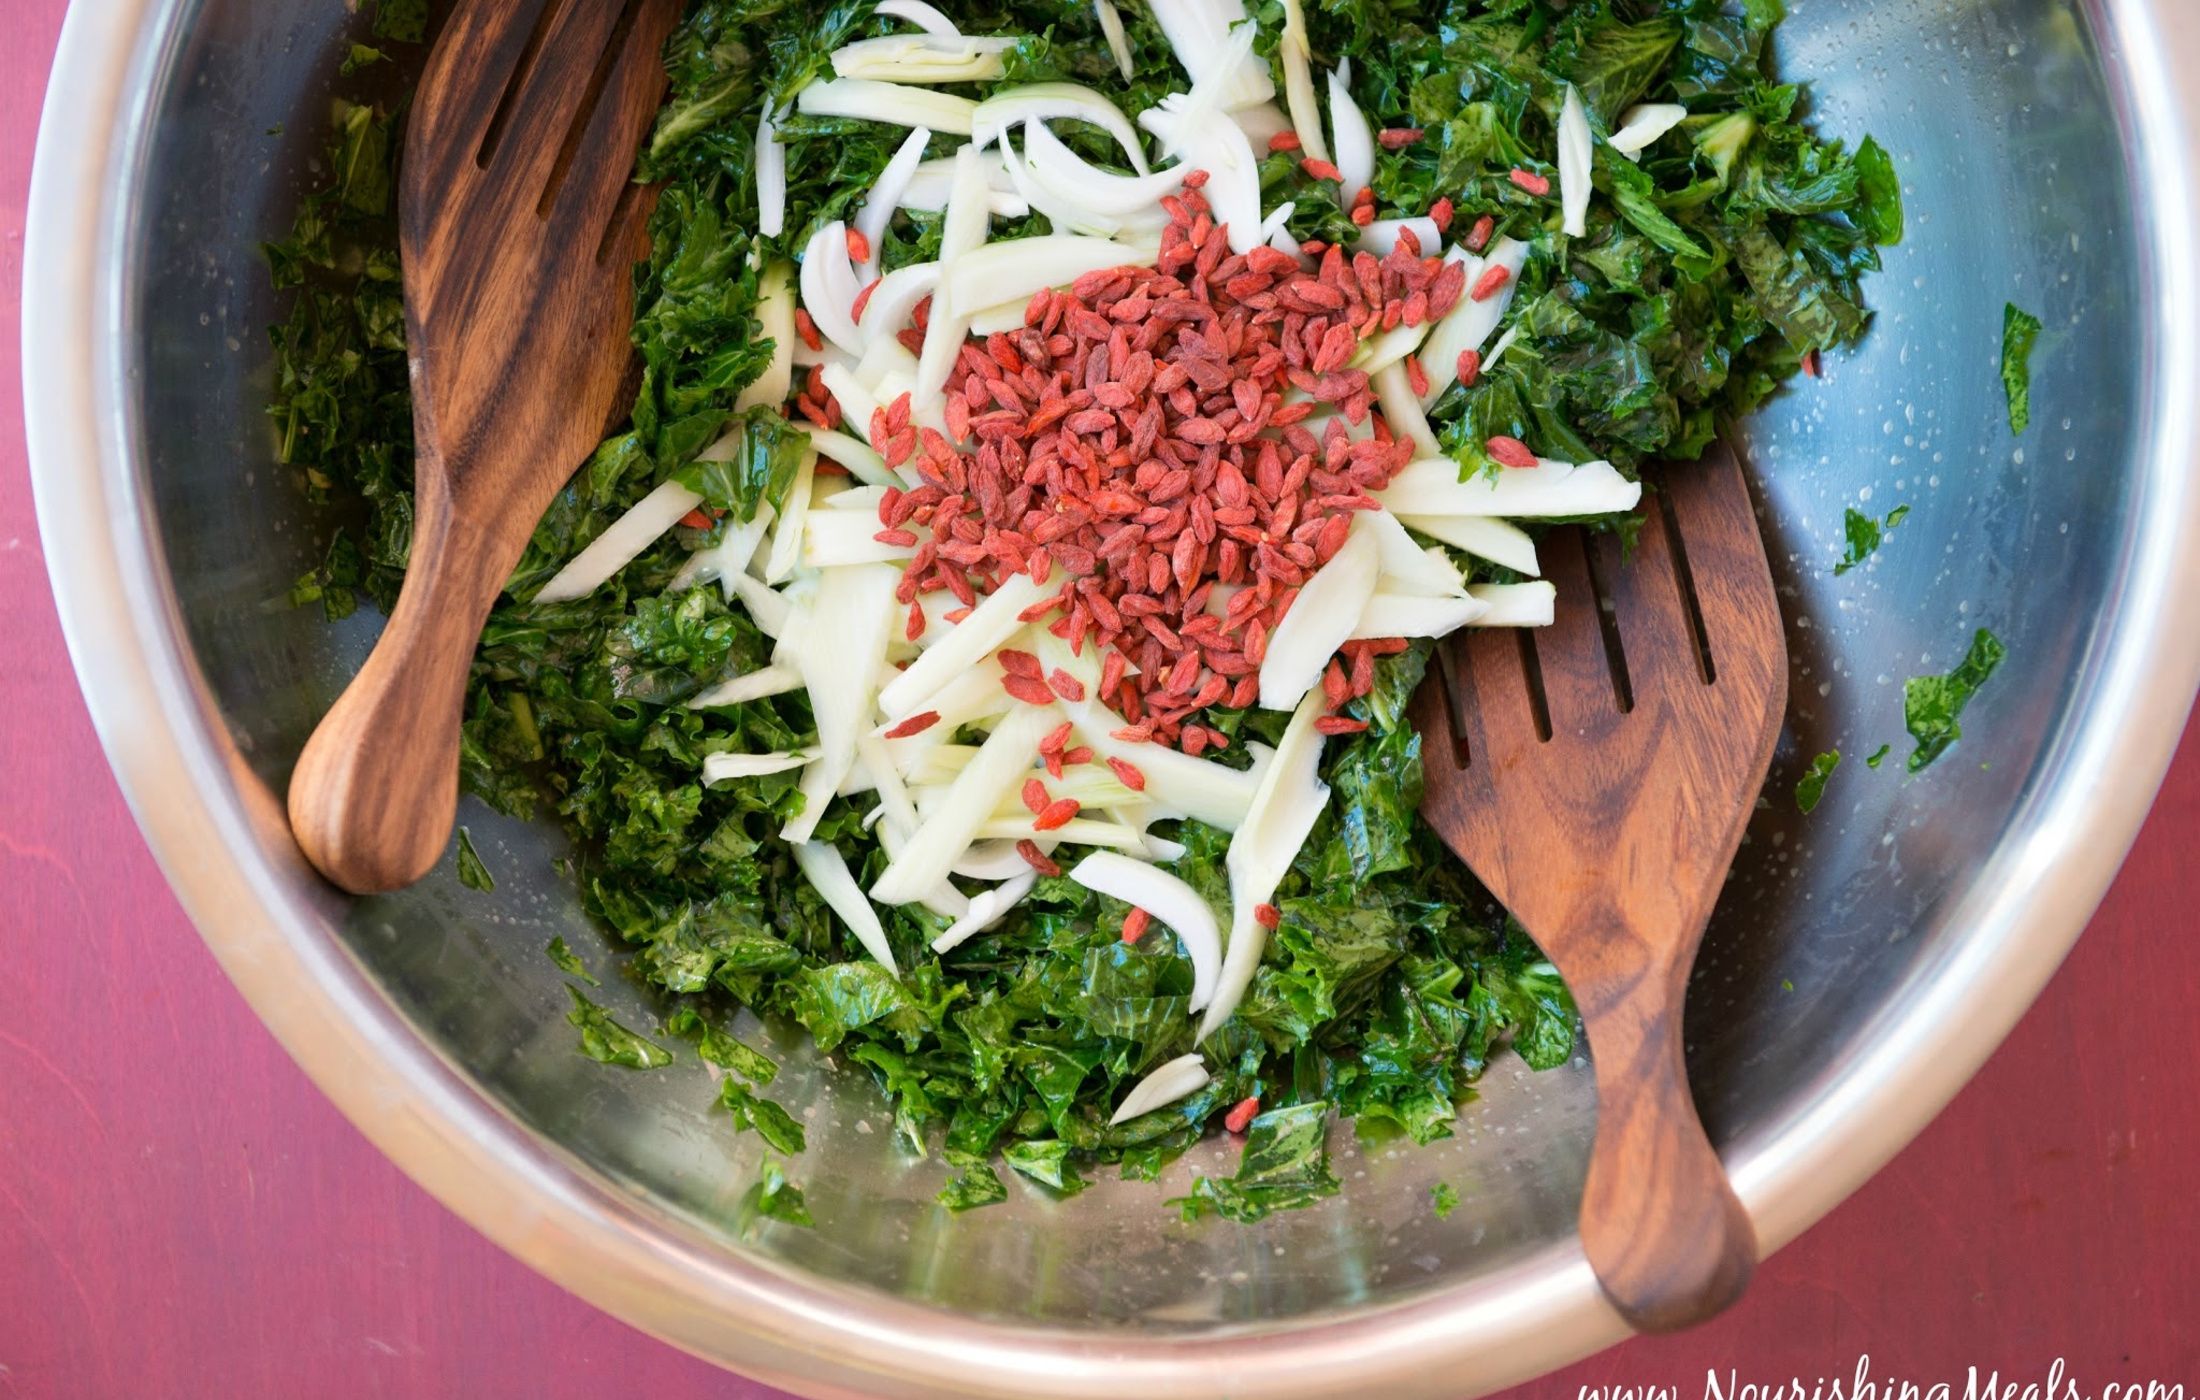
376,789
1668,1239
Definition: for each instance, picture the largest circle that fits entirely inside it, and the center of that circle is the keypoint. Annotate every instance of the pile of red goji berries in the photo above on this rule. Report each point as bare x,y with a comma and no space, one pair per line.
1133,440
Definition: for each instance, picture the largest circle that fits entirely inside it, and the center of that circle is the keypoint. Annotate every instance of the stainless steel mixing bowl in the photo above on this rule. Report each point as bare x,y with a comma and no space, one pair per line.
1866,959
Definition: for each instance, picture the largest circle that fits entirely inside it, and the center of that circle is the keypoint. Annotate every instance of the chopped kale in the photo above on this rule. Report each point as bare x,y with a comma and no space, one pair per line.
1878,756
774,1197
471,872
1285,1165
751,1110
1812,788
607,1042
976,1185
1933,705
1444,1199
568,962
1863,534
2019,331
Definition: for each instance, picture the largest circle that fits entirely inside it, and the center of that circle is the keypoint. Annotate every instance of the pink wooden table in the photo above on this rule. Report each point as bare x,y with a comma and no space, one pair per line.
182,1214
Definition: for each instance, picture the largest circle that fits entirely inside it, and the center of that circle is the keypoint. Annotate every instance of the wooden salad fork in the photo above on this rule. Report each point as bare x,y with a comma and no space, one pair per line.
519,226
1596,775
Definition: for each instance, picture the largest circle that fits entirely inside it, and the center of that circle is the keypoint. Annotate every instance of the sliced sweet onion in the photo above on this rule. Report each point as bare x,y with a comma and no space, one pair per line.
785,553
896,103
725,767
1119,43
918,13
948,831
771,177
992,860
962,234
1051,102
850,612
1402,566
1012,270
1289,802
853,453
1180,1078
989,907
1643,124
719,563
1199,31
1382,235
887,313
829,286
1468,325
1064,172
826,869
1168,899
644,523
924,58
1402,409
1432,486
1355,140
1576,150
1484,536
1065,212
756,685
1298,82
1318,623
1515,604
1405,615
885,197
775,318
993,621
1218,146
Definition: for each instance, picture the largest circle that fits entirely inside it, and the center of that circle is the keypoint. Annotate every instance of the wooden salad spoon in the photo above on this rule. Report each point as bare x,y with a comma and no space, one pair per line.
519,225
1596,775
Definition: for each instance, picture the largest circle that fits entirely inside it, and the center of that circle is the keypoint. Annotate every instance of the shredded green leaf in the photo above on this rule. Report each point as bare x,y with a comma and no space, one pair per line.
2019,331
607,1042
1933,705
568,962
774,1197
471,872
1444,1199
1812,787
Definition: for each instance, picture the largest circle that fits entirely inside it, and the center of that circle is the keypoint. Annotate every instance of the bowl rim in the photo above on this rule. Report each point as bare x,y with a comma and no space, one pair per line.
219,837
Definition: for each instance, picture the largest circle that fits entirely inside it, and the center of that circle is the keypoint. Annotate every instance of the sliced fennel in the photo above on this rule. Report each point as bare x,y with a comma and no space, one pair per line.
1484,536
1011,271
1403,410
720,562
1409,615
755,685
1180,1078
895,103
1431,486
723,767
962,234
1643,124
1468,325
989,907
827,871
924,16
1289,802
924,58
885,196
1327,609
644,523
993,621
1576,149
840,665
1516,604
1001,761
1355,141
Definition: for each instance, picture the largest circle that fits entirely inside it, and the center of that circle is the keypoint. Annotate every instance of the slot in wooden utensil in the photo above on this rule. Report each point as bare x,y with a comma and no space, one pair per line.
1596,775
519,225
